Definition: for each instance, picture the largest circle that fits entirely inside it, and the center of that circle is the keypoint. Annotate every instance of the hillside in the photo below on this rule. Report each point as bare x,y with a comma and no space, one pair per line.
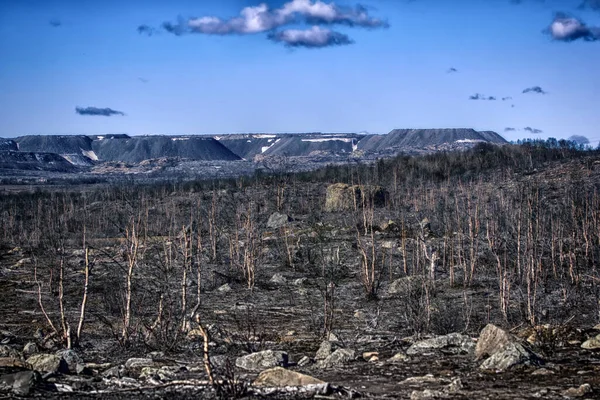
28,161
140,148
405,139
7,144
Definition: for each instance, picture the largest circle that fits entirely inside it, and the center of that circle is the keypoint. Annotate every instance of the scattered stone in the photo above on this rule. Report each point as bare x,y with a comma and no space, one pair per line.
333,337
358,314
279,377
30,349
427,394
278,279
388,244
262,360
21,383
367,356
163,374
403,285
304,361
592,343
118,371
81,369
578,392
71,358
48,363
278,220
224,289
399,357
7,351
325,349
13,362
453,343
542,372
455,385
300,281
139,363
156,355
420,380
337,358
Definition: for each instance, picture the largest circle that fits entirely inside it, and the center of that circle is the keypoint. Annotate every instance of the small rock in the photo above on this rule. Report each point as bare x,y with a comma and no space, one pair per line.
427,394
542,372
338,357
325,350
262,360
30,349
278,220
578,392
156,355
280,377
420,380
300,281
118,371
455,386
403,285
20,383
358,314
278,279
224,289
304,361
399,357
7,351
367,356
48,363
81,369
139,363
71,358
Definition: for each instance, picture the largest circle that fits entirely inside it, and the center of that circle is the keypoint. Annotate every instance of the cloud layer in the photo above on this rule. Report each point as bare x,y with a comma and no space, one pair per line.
533,130
313,37
567,29
264,19
96,111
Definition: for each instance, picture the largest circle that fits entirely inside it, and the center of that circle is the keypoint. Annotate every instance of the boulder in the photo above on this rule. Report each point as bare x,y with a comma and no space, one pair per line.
280,377
453,343
48,363
300,281
262,360
278,220
427,394
337,358
20,383
325,349
504,350
71,358
278,279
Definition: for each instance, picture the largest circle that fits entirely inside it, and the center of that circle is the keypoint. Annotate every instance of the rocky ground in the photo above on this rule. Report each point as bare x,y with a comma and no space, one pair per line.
254,333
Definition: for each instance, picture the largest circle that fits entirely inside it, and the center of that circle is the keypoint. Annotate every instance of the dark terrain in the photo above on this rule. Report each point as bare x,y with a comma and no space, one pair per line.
363,258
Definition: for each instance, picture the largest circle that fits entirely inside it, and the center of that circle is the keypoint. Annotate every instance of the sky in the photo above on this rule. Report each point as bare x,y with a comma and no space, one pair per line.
525,68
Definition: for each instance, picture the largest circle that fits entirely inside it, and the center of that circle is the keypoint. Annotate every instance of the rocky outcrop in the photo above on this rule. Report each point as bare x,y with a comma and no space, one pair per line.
504,350
20,383
48,363
337,358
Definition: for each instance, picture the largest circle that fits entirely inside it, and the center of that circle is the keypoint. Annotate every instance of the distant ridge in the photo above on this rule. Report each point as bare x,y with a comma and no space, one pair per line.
139,148
402,139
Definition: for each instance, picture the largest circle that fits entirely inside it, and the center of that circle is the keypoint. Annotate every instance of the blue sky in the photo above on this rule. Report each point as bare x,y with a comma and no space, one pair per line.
387,68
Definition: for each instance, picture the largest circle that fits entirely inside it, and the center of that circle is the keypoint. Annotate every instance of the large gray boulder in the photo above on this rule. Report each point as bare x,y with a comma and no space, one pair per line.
48,363
454,343
262,360
503,350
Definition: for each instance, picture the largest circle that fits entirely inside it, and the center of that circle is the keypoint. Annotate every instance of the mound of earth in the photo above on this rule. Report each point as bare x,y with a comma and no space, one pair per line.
23,160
